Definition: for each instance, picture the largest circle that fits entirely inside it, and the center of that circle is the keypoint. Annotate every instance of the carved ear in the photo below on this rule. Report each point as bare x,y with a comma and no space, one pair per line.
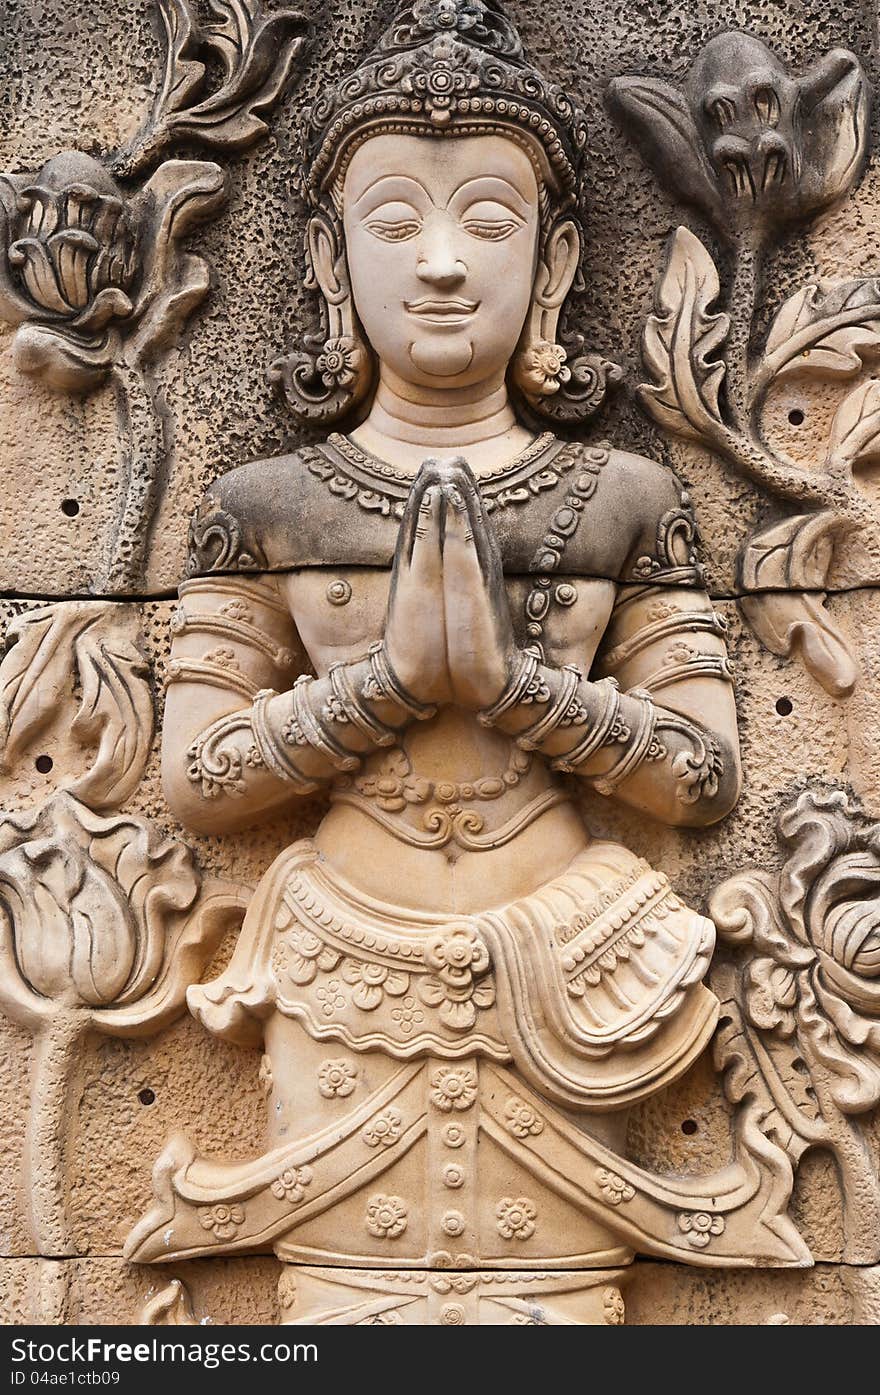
328,260
557,265
659,119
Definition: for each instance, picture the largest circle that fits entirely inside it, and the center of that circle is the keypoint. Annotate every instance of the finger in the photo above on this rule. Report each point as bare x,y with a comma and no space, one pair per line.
427,476
462,573
458,474
426,560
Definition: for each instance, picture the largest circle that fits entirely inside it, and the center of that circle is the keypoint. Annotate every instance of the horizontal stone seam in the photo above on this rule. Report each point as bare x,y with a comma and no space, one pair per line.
147,598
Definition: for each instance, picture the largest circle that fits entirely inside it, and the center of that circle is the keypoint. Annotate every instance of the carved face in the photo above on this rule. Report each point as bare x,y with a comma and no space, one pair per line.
442,238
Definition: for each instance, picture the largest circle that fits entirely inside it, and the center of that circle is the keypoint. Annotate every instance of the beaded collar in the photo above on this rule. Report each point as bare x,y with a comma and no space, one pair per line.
378,487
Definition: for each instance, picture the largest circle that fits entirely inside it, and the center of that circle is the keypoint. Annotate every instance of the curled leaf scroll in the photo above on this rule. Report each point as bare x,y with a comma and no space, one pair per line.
757,150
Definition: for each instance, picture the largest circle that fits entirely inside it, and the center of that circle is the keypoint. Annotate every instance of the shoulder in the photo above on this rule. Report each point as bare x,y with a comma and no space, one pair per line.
241,513
652,517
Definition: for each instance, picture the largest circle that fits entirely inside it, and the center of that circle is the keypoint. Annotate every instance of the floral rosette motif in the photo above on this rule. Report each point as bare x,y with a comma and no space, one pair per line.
371,981
222,1220
93,277
516,1218
459,959
699,1227
386,1217
453,1087
291,1184
808,997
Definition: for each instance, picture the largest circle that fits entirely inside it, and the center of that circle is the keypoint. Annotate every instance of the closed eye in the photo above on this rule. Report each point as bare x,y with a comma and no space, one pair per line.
393,231
492,231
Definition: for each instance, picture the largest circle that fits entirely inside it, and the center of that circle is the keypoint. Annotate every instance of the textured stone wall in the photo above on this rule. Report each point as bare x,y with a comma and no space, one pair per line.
77,75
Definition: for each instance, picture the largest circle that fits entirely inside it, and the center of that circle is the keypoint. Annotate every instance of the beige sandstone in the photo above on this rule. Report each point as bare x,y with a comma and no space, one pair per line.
356,973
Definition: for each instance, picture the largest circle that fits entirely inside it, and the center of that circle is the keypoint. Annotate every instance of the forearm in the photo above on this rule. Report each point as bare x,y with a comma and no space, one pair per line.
293,743
672,765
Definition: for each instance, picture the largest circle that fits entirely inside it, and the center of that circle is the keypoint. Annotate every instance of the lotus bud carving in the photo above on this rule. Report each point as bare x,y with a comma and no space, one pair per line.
750,145
104,923
93,277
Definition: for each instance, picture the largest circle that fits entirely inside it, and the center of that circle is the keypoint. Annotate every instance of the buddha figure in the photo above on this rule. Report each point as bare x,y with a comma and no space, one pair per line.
449,617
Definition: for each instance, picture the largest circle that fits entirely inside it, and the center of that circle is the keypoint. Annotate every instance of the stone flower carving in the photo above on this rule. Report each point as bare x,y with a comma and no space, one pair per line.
93,276
516,1218
453,1087
699,1227
385,1128
747,143
339,362
336,1079
103,925
756,150
304,954
291,1184
94,273
521,1119
613,1307
615,1189
459,958
386,1217
222,1220
449,74
372,981
802,1045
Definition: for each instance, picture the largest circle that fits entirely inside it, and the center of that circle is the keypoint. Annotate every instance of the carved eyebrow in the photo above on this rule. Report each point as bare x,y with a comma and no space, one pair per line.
389,186
487,186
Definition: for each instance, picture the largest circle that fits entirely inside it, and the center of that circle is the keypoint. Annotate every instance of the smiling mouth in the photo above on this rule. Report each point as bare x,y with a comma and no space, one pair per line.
442,312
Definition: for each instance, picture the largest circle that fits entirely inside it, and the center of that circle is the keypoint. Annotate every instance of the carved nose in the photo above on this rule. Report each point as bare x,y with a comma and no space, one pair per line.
437,261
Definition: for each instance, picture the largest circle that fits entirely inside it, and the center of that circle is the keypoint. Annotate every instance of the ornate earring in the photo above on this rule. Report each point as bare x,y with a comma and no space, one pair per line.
325,379
559,383
539,368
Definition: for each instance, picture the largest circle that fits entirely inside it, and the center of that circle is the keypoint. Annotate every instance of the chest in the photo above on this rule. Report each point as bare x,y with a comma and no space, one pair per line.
340,610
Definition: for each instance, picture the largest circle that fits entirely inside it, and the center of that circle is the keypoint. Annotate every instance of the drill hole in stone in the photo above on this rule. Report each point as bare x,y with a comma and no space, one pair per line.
70,507
689,1127
796,416
784,706
44,764
147,1096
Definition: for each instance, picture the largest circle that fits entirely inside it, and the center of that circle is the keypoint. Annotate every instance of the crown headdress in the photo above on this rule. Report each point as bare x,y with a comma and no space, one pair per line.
447,67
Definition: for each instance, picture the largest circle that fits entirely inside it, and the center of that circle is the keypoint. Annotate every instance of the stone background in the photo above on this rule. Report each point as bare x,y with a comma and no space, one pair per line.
82,73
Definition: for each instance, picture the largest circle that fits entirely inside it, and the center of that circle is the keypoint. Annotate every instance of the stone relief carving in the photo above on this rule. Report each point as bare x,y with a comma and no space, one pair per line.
103,924
449,1068
799,1033
92,270
99,648
525,984
757,151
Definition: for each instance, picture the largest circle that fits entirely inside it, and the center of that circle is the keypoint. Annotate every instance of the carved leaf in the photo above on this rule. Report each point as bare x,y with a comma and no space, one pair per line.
184,73
679,339
855,433
116,712
831,329
777,562
178,196
659,117
770,1085
170,1308
99,642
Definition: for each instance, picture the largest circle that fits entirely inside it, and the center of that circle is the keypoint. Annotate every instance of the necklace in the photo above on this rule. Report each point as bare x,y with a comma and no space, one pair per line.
377,487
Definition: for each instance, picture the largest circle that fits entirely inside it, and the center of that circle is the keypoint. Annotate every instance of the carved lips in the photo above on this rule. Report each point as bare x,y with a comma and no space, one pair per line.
452,312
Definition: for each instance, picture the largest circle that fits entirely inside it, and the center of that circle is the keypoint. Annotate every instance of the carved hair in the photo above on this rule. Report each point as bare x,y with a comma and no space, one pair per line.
444,68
